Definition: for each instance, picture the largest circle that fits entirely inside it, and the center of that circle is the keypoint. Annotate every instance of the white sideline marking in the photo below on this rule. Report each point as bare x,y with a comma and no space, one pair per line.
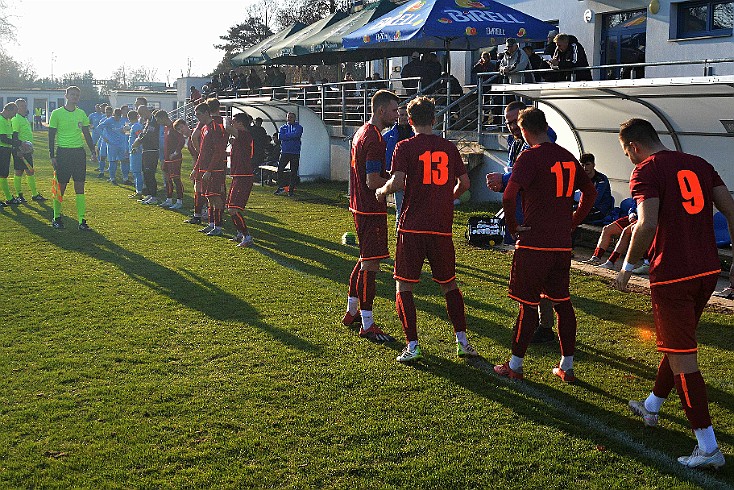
665,462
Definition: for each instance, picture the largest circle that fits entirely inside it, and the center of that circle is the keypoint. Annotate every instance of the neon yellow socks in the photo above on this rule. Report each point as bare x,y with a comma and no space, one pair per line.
57,208
32,184
5,188
17,179
81,206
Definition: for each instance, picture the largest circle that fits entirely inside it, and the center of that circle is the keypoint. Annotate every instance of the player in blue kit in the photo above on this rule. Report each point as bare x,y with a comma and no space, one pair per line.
101,144
112,130
136,157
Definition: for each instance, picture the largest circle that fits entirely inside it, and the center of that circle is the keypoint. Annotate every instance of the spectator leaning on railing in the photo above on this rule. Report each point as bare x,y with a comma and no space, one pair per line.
513,61
570,54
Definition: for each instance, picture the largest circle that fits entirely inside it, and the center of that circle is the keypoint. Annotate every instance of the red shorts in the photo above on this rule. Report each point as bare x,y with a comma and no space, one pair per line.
215,185
537,273
239,193
677,307
372,234
414,248
624,222
172,168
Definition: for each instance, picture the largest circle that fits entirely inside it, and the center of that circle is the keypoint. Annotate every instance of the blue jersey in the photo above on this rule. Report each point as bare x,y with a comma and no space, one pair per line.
112,131
94,120
135,131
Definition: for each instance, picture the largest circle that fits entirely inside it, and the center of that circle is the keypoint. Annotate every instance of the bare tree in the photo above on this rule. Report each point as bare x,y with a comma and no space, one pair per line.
7,29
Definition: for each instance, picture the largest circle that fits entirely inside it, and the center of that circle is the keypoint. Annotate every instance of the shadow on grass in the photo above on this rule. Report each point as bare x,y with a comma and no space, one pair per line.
185,287
568,412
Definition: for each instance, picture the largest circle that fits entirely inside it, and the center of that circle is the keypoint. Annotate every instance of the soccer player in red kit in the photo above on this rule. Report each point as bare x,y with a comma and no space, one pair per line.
211,166
173,143
242,177
675,194
546,175
367,173
432,173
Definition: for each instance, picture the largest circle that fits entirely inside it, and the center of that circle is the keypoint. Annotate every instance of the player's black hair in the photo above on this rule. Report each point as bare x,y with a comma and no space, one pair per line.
587,158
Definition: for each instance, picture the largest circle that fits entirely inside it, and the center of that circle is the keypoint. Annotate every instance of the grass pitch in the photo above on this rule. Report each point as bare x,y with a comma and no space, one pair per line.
145,354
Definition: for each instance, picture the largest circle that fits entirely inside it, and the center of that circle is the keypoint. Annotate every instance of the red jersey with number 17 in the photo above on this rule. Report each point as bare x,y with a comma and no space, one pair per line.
548,176
367,145
684,246
431,165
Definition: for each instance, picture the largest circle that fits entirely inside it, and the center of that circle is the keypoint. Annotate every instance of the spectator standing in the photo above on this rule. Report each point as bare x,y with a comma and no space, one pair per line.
260,141
425,226
431,72
675,194
67,133
254,82
367,174
604,201
413,68
513,60
570,54
289,135
402,130
536,63
23,154
195,96
542,259
550,43
485,65
37,119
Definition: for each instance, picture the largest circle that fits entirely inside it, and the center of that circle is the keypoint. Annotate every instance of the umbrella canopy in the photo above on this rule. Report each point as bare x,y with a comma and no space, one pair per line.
286,46
254,55
326,45
458,25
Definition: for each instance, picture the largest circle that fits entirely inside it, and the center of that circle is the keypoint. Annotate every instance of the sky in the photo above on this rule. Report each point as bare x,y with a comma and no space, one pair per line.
105,34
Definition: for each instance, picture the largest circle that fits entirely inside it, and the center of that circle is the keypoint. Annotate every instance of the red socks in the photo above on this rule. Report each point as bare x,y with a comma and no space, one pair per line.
692,392
455,309
664,381
353,278
406,312
367,287
566,327
598,252
522,334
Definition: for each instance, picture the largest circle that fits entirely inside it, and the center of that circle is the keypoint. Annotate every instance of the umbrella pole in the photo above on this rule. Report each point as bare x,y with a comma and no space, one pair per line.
447,114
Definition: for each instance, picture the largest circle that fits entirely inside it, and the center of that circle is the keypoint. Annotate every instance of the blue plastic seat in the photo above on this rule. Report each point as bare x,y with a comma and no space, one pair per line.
625,206
721,231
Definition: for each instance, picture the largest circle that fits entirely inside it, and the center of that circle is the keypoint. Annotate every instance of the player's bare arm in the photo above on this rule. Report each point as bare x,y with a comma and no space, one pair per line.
642,237
725,203
462,184
375,181
90,142
396,183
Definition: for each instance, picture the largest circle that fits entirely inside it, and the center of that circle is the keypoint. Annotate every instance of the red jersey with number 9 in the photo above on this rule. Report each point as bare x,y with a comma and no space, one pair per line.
431,165
684,246
548,176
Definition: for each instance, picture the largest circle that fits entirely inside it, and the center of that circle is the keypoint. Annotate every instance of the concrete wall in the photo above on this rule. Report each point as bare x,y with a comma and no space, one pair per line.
158,100
48,100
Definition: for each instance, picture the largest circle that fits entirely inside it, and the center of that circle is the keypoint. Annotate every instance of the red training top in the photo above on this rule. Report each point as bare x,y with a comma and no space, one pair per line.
547,174
684,246
173,142
431,165
367,145
213,151
241,155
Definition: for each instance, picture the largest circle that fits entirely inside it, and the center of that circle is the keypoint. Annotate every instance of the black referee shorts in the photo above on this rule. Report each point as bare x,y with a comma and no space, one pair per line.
71,164
22,161
5,152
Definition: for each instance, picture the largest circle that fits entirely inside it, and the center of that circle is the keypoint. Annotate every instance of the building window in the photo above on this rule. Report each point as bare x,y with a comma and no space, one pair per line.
709,18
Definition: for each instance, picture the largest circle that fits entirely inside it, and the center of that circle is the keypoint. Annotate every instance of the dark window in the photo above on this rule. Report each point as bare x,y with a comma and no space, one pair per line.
619,19
710,18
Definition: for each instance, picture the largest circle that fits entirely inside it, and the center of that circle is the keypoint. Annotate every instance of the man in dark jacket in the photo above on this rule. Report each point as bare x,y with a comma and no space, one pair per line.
604,201
570,54
414,68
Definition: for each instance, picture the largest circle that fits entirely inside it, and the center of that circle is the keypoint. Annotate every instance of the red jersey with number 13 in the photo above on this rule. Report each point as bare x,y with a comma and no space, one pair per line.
548,176
684,246
431,165
367,145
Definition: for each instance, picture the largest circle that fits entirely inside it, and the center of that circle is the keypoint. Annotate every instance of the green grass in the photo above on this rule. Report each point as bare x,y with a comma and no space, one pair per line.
145,354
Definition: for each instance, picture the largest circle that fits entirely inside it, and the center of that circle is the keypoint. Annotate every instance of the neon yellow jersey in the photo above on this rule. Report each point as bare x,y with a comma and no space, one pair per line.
69,126
22,126
6,127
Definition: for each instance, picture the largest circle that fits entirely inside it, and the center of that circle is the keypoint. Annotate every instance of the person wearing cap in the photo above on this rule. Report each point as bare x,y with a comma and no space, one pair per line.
513,60
550,44
414,68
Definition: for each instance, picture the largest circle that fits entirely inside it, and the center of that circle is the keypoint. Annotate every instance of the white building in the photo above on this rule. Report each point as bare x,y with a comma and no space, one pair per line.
167,100
45,99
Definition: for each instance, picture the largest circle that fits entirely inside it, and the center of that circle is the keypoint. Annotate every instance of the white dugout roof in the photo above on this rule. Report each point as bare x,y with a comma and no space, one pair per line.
692,114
